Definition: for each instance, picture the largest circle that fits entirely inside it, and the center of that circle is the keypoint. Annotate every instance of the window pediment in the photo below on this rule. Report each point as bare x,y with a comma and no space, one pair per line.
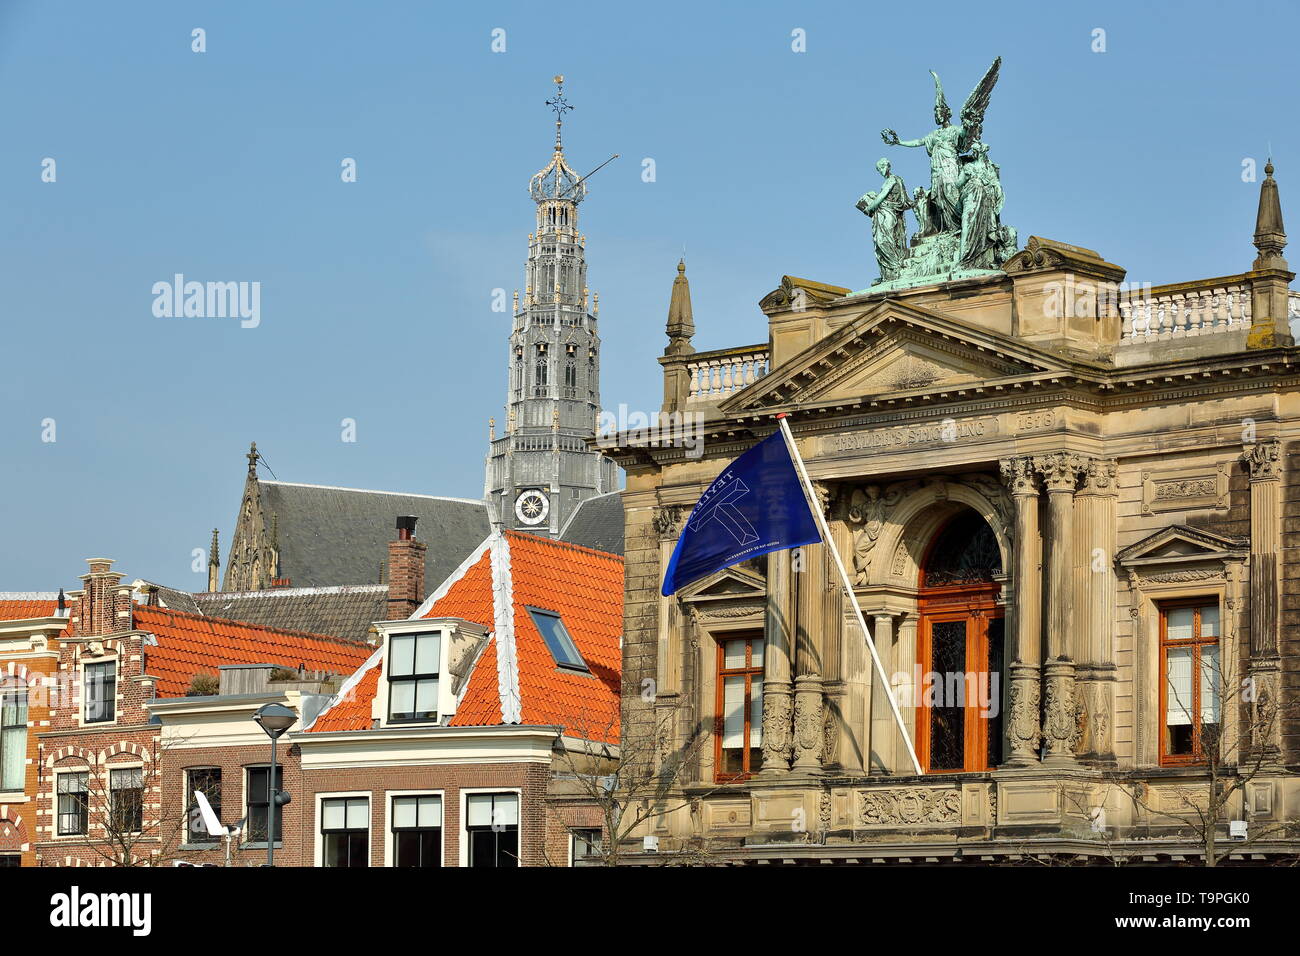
1182,544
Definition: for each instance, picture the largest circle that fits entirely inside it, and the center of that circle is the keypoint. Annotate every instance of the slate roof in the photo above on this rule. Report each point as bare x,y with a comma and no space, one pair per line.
344,611
339,536
597,523
188,644
516,679
176,600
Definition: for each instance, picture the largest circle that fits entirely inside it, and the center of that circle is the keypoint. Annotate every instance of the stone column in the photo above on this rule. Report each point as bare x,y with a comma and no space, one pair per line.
884,732
1264,464
778,704
1024,726
1060,474
904,660
1094,609
810,587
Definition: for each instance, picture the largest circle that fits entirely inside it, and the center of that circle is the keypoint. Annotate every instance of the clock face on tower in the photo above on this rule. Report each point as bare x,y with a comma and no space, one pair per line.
532,507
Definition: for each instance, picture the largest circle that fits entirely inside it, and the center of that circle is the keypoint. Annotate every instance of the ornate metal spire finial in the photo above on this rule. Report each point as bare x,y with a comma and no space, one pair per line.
252,457
561,106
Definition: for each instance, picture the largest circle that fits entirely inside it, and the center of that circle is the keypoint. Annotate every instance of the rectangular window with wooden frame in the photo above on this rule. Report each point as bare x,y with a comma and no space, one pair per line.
13,735
73,803
207,781
126,799
1190,681
100,692
413,662
739,722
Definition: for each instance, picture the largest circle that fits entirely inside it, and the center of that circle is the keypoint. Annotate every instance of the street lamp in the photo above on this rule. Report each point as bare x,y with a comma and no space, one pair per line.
275,719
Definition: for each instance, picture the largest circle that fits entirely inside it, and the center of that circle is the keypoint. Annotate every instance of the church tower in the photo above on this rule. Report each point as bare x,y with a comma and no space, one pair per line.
541,468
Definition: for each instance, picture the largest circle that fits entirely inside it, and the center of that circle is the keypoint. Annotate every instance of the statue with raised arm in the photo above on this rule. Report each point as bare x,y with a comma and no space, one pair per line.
886,207
946,144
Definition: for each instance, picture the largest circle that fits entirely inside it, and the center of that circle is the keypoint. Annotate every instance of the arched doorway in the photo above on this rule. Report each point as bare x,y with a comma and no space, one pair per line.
960,648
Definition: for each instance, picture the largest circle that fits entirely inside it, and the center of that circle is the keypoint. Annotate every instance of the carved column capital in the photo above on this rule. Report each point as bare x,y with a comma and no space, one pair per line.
1060,470
1099,477
667,520
825,497
1019,475
1263,460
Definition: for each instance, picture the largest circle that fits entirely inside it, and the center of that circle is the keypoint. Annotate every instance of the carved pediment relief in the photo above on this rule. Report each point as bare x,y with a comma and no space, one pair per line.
892,349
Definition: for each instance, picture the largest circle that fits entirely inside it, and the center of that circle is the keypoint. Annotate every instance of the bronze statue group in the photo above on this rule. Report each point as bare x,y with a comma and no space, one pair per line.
960,214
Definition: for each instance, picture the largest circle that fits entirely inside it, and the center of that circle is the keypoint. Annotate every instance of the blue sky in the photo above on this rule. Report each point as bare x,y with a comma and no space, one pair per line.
376,295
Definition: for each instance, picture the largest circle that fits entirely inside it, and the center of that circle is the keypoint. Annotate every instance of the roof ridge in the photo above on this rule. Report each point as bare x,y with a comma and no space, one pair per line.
503,615
292,592
375,491
29,595
286,631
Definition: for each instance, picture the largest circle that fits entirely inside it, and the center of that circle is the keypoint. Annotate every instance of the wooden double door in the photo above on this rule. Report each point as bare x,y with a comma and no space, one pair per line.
960,651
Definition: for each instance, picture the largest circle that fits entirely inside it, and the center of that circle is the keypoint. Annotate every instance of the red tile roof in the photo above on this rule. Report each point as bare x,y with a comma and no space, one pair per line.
352,710
20,610
189,644
583,586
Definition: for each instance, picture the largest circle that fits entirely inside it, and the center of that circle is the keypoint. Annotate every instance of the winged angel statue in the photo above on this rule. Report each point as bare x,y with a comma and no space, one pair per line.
945,146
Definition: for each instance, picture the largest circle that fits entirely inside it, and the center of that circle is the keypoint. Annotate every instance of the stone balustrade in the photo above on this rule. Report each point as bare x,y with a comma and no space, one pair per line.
1186,309
715,375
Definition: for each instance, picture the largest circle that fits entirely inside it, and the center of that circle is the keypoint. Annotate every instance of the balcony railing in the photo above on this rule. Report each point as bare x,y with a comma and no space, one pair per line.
715,375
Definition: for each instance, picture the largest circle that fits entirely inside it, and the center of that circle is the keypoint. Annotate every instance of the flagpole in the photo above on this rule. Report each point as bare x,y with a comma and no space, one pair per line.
845,583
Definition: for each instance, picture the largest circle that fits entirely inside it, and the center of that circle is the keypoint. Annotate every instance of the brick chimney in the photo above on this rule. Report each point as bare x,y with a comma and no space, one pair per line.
103,606
405,570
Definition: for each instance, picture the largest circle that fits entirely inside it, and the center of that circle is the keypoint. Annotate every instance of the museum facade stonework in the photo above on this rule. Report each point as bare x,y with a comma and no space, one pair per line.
1069,511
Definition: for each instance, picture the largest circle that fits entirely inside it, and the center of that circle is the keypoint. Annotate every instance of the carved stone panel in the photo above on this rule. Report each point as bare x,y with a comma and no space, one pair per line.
910,806
1185,489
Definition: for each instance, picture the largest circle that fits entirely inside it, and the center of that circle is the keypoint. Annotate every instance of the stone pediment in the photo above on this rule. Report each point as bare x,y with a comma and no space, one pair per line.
730,584
1182,544
893,349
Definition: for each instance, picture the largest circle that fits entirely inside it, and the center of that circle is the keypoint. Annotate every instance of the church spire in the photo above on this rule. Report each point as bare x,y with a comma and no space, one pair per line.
1270,234
681,323
543,468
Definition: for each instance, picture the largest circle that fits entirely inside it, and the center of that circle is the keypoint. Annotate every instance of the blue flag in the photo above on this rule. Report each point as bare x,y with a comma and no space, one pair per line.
755,506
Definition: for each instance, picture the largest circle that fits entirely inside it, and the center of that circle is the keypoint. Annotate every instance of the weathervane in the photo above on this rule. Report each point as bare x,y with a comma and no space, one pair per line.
560,105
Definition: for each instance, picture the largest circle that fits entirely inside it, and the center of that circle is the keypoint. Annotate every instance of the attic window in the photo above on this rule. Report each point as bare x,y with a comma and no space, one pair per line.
413,666
557,639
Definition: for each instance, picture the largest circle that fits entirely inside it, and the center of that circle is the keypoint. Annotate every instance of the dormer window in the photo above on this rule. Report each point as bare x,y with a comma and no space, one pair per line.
413,672
557,639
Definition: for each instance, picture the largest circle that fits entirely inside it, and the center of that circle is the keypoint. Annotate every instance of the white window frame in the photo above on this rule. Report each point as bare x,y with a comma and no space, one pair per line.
389,852
446,699
17,684
465,794
82,664
319,818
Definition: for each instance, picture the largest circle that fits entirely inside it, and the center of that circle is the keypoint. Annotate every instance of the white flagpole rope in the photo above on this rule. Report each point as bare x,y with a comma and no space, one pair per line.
813,504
